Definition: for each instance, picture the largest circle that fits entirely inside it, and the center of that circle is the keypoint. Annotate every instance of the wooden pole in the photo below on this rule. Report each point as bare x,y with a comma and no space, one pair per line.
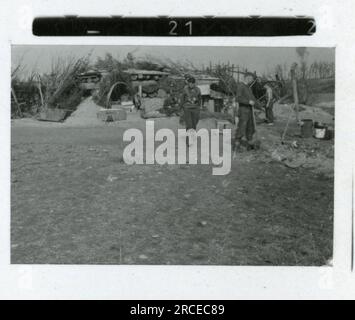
40,90
295,93
140,91
16,102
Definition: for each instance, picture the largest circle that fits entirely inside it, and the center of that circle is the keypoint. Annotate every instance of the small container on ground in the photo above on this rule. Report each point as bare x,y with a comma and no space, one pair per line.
306,128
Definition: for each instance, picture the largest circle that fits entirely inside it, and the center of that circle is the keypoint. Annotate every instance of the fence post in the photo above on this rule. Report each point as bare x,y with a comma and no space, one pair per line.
295,92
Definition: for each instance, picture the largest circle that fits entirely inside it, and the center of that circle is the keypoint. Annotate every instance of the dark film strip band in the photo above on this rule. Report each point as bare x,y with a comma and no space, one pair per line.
175,26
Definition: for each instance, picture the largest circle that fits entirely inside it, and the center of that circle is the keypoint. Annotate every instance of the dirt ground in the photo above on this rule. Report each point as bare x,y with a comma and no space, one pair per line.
74,201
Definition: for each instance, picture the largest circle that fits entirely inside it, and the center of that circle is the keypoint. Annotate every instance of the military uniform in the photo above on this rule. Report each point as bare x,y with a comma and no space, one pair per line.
246,126
191,101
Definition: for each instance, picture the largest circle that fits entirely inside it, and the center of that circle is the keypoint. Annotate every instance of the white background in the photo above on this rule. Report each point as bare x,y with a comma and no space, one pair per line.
335,28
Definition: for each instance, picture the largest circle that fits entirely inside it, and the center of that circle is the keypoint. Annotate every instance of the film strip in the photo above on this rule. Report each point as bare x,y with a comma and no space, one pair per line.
164,26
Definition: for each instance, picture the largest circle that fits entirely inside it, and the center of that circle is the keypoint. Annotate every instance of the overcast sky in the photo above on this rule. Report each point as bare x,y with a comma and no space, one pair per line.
260,59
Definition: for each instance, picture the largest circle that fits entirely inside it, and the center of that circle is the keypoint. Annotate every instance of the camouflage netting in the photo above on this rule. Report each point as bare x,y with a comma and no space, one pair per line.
61,89
28,97
101,95
172,85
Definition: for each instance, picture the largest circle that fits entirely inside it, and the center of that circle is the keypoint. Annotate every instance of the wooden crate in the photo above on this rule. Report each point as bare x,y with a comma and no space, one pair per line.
223,124
55,115
112,115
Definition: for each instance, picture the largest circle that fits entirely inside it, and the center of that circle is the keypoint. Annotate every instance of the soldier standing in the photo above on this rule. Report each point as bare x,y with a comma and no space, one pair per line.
191,102
246,125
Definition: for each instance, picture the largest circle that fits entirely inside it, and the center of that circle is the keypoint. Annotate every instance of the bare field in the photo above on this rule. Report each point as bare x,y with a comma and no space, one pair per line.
74,201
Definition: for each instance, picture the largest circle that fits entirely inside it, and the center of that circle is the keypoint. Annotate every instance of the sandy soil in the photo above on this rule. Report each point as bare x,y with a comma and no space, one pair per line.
85,115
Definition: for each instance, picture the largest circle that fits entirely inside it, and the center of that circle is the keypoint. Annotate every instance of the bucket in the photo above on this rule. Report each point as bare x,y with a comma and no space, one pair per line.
307,128
329,134
320,133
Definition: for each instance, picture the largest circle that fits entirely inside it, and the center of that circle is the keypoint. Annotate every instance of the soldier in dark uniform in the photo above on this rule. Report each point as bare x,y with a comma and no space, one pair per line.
191,103
246,100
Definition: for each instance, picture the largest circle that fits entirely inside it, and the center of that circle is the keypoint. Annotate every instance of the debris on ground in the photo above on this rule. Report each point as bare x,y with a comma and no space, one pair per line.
296,161
295,151
111,178
306,112
313,154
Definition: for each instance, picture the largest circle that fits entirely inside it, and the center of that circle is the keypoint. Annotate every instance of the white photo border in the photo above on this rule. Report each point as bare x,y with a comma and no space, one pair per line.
335,28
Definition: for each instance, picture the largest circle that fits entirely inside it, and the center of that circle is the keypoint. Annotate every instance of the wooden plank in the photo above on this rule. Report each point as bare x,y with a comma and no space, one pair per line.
16,102
295,93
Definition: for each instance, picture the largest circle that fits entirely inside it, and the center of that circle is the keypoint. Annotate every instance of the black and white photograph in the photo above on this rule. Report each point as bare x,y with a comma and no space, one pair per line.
163,152
172,155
